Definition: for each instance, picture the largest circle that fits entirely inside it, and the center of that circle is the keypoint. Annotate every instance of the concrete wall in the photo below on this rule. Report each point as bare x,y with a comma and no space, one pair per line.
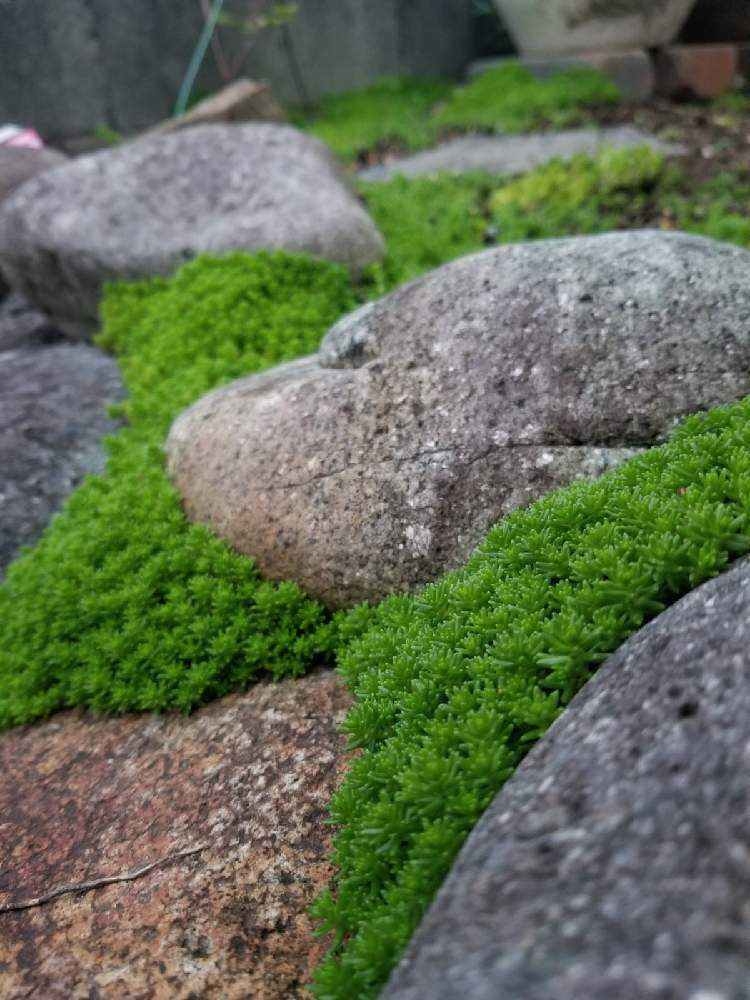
68,66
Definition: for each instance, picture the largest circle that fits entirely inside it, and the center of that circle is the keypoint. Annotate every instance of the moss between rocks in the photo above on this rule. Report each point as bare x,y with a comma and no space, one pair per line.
429,220
410,114
122,604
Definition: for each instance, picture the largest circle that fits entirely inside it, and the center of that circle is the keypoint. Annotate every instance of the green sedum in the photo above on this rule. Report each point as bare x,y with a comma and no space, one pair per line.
511,99
453,686
412,114
123,605
391,111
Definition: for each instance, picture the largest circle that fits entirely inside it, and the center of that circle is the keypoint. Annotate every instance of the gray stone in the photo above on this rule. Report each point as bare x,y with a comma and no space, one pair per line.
145,207
22,325
19,164
515,154
52,419
459,397
615,864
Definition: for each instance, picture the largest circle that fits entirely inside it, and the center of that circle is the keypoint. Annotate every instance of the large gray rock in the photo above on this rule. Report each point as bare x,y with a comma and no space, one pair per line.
615,864
472,391
145,207
52,418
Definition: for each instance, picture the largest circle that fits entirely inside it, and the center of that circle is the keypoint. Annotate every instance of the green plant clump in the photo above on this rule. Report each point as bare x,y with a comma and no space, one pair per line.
122,604
391,111
511,99
455,684
582,195
427,221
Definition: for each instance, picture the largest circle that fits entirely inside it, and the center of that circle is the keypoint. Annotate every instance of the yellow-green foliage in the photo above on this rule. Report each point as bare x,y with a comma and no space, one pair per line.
411,114
391,111
511,99
581,195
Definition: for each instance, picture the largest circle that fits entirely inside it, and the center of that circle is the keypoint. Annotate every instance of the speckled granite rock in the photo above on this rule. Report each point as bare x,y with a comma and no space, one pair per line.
615,864
145,207
243,784
53,415
472,391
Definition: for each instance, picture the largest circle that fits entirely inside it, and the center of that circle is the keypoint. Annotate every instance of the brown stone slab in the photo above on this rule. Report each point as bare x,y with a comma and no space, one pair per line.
213,826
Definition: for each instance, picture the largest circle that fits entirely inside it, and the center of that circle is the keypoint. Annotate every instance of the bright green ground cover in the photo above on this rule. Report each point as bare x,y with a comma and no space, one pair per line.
411,114
122,604
455,684
429,220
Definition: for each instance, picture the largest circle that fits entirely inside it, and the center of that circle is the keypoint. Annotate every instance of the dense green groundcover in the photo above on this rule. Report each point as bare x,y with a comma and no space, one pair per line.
122,604
429,220
454,685
412,114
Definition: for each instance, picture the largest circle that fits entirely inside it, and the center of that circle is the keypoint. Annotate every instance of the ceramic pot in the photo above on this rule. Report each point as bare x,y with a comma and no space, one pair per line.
552,27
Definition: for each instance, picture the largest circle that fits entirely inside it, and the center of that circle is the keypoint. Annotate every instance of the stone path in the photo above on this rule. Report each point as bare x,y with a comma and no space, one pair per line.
511,155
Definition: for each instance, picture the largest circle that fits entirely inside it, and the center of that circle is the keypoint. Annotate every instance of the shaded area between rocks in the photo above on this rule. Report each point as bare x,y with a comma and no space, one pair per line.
53,416
243,785
615,864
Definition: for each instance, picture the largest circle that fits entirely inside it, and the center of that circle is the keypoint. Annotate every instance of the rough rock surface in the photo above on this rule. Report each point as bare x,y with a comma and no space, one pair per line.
53,402
23,325
19,164
244,784
515,154
240,101
615,864
472,391
145,207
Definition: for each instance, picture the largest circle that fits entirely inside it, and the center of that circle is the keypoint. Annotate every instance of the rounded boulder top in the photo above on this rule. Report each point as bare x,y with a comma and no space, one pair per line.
381,463
144,207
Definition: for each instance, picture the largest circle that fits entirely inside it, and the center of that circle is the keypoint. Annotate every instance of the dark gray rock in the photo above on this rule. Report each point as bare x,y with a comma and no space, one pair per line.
145,207
19,164
23,325
459,397
52,418
615,864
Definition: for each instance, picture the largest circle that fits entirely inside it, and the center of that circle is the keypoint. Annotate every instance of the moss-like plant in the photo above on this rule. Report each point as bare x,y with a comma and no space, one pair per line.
392,111
511,99
411,114
582,195
122,604
455,684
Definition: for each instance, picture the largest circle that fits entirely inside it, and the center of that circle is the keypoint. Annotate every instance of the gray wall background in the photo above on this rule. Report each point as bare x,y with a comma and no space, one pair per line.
69,66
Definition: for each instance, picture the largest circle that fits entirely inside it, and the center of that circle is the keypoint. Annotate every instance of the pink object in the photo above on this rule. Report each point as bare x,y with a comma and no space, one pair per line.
15,135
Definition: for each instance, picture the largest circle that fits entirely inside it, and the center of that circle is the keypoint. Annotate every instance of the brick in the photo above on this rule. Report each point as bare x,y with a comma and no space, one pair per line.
631,70
699,70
